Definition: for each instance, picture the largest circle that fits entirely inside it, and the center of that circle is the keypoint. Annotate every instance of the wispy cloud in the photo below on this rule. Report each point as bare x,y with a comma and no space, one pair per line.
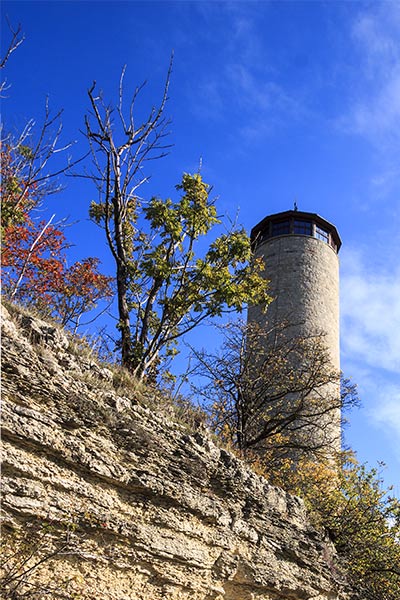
380,398
370,333
378,117
245,76
386,411
261,87
376,31
375,108
370,308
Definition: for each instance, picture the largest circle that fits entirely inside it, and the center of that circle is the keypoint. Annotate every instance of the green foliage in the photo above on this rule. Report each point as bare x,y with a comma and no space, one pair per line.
362,518
26,152
170,287
169,278
367,529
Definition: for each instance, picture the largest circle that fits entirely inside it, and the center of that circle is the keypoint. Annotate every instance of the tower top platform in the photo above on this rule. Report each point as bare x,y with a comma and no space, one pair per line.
295,222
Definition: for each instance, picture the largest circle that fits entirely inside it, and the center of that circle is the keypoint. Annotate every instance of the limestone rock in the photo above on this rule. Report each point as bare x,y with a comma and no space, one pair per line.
151,511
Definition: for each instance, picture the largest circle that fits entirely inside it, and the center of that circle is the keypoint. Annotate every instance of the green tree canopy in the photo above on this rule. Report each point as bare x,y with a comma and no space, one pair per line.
171,286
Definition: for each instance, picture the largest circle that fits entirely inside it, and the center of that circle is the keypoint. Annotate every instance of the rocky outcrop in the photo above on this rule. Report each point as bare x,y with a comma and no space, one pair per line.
145,510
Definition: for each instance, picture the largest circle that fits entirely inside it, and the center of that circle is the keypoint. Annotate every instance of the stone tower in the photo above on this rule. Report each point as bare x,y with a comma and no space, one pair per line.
300,252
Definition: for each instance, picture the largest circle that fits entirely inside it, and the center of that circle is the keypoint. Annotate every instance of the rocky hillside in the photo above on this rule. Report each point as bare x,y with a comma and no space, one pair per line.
120,503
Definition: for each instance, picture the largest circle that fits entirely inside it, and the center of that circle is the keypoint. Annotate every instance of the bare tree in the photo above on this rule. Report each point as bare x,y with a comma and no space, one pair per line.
29,169
270,390
118,175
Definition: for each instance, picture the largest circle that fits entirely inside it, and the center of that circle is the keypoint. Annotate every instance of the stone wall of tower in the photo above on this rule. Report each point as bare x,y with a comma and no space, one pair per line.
304,282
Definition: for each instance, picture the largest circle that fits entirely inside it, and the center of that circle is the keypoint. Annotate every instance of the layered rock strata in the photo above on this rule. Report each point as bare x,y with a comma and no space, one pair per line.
144,509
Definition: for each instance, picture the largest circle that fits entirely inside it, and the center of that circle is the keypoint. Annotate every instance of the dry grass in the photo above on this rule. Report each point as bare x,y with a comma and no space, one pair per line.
99,374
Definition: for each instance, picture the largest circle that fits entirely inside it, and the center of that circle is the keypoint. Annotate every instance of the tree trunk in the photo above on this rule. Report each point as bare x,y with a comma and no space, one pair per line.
124,324
123,312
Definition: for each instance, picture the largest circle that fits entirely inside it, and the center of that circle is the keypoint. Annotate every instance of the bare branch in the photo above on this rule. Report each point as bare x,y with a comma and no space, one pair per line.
17,37
16,40
31,154
120,105
275,391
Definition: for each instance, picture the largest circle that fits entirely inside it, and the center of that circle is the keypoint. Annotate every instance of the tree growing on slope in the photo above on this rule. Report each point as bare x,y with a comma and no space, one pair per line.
361,517
34,267
273,396
165,287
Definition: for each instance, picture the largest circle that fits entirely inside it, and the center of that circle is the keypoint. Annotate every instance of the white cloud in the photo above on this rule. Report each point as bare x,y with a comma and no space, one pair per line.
380,397
387,410
375,110
376,31
370,339
370,311
386,180
246,76
380,113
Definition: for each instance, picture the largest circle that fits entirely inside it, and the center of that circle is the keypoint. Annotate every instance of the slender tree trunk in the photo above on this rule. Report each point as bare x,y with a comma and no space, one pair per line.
118,174
240,425
124,324
123,313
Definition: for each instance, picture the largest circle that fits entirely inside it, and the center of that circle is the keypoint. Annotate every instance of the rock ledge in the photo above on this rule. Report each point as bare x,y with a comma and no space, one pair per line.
151,511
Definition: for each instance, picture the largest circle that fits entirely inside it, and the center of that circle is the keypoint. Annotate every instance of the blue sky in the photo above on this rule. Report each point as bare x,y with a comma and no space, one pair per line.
282,101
